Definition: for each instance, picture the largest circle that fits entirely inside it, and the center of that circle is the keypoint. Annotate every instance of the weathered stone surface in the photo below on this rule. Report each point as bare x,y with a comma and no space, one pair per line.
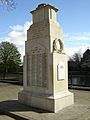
45,63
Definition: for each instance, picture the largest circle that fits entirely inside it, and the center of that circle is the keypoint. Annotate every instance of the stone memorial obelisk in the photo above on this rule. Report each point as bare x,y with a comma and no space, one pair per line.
45,71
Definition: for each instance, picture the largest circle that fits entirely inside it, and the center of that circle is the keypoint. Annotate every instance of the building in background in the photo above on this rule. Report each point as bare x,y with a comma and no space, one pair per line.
86,59
79,75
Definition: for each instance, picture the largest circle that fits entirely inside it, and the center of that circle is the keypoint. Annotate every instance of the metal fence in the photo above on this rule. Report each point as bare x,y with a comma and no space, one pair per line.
79,80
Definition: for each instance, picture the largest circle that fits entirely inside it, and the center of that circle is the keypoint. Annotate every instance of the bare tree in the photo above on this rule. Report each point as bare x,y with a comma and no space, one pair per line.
76,58
9,4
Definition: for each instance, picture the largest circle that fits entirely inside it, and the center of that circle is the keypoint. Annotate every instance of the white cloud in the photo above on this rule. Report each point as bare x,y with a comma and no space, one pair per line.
17,28
76,42
18,36
71,50
21,27
78,36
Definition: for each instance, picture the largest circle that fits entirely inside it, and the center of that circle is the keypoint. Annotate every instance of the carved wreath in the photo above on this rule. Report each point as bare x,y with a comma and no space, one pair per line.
58,46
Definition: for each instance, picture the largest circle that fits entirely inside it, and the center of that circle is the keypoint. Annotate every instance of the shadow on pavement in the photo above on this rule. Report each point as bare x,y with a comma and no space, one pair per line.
11,107
15,106
11,115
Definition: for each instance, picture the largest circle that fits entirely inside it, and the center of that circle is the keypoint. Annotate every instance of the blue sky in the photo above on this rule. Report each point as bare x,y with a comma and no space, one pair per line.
73,16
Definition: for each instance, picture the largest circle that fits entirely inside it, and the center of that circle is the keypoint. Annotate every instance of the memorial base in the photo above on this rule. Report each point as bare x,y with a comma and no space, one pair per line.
48,103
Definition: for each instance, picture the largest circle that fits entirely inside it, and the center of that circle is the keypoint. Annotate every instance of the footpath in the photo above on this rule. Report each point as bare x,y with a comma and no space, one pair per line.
11,109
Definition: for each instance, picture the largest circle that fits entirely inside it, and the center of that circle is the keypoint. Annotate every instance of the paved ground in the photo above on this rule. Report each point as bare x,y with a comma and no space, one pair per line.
10,109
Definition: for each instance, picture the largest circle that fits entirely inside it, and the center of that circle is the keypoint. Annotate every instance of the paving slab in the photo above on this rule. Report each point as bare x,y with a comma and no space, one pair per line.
12,109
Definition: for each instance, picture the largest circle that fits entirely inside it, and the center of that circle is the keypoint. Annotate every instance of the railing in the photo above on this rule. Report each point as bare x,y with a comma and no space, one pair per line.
79,80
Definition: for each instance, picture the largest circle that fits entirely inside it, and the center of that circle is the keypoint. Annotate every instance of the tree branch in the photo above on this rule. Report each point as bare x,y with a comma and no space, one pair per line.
9,4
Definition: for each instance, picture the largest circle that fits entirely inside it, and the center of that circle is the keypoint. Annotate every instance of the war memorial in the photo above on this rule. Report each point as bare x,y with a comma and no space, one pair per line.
45,91
45,74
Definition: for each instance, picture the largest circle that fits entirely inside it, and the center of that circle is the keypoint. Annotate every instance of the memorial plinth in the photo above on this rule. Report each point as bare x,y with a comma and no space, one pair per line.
45,73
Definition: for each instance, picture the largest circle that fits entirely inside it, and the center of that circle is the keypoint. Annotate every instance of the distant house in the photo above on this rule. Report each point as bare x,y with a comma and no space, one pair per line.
86,59
80,76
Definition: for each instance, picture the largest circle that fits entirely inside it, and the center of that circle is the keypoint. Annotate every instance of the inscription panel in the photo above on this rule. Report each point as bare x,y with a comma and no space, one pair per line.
38,67
61,71
38,70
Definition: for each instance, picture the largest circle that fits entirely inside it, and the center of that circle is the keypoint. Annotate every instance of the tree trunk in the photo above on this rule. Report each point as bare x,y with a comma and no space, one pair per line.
4,73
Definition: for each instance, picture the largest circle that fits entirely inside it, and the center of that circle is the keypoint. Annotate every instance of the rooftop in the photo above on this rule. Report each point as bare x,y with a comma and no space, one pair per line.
43,5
